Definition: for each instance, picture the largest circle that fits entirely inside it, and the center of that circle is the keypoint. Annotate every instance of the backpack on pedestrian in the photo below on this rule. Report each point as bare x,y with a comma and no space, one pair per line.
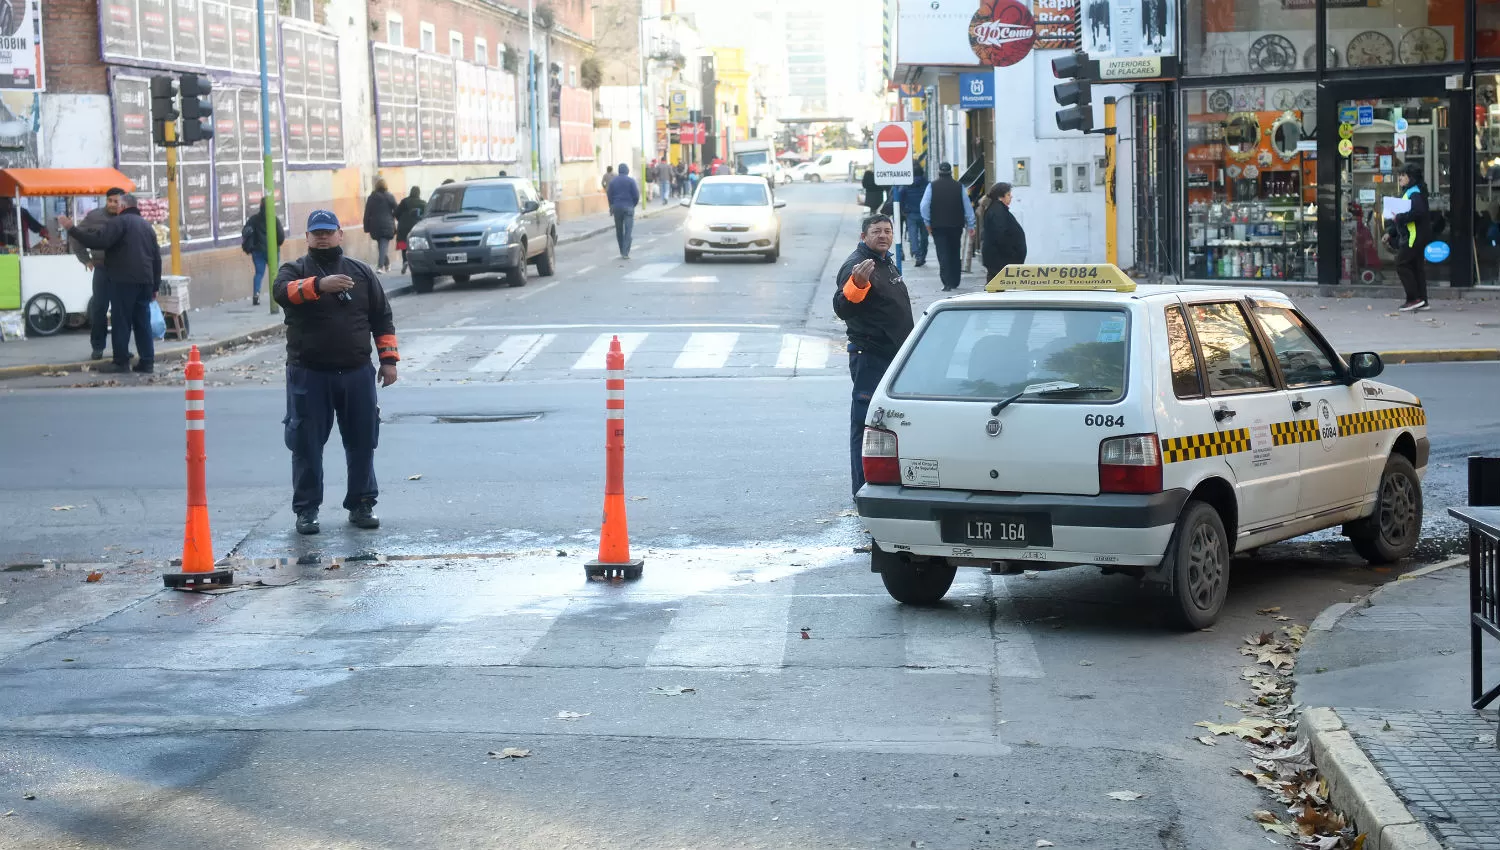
247,238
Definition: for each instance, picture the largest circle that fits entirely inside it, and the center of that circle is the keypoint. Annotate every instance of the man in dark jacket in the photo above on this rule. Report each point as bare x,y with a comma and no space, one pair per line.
947,211
1004,242
132,264
911,210
1413,232
94,262
871,298
253,242
623,196
334,307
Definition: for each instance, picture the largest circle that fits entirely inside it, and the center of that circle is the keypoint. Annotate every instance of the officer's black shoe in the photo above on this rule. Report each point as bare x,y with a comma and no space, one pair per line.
96,354
364,517
307,523
143,368
112,368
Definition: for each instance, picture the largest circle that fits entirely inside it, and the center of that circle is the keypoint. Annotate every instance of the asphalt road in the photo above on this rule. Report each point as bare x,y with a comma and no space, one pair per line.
356,707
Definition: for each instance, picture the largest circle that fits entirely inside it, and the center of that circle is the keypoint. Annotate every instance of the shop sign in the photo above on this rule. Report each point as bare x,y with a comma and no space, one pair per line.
1366,116
1367,196
1436,252
21,47
1002,32
1056,24
679,108
1135,68
976,91
1346,147
1346,130
1348,114
1400,143
1385,162
1127,28
1401,125
1307,146
933,32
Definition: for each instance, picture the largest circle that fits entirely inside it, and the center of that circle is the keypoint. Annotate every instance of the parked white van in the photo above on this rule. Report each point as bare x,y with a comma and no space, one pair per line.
839,165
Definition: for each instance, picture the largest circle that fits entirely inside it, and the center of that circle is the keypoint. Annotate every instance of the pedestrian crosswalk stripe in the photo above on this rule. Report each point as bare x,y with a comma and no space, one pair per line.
489,641
706,351
942,640
593,358
651,271
514,353
420,351
61,613
740,631
1015,652
803,352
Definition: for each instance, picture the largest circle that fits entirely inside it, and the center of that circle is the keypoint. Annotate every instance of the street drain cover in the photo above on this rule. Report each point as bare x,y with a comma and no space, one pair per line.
462,418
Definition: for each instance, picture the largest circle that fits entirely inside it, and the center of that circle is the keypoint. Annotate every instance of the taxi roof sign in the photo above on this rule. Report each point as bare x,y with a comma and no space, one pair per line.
1067,278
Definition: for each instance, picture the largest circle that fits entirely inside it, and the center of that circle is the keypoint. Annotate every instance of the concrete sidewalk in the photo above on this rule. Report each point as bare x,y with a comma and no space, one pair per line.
232,323
1392,729
1464,327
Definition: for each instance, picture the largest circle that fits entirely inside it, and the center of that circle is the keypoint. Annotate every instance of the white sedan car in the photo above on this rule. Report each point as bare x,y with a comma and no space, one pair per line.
732,215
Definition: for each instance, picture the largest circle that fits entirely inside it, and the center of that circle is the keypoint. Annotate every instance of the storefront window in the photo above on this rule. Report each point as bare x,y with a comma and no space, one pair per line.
1394,32
1251,171
1487,179
1250,36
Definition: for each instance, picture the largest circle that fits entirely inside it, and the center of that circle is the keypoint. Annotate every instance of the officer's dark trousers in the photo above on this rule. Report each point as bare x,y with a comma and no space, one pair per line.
99,310
866,370
314,399
945,243
131,303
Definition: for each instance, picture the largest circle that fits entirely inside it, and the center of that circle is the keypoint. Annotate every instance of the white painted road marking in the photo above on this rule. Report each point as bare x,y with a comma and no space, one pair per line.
952,640
593,358
803,352
706,351
514,353
726,631
421,351
1015,652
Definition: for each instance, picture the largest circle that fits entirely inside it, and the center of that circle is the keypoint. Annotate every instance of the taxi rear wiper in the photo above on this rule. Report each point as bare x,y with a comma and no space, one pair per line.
1051,388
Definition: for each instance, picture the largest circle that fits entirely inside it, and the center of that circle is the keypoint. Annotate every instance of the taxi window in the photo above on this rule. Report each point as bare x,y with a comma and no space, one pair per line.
1303,358
1187,381
1230,353
994,353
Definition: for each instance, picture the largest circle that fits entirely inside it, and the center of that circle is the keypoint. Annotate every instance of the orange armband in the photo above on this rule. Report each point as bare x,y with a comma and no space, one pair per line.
853,292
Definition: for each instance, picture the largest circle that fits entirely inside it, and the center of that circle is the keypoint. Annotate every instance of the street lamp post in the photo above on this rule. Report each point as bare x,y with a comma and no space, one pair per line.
536,173
640,31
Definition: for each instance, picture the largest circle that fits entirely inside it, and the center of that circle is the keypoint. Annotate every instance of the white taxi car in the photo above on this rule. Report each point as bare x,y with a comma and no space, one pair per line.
732,214
1067,416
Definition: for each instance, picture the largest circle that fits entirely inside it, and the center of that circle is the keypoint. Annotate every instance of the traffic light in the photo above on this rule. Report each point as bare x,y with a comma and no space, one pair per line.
163,107
197,109
1077,112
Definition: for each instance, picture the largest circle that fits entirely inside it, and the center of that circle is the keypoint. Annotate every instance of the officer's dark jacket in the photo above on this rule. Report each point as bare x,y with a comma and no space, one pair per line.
878,316
323,331
128,241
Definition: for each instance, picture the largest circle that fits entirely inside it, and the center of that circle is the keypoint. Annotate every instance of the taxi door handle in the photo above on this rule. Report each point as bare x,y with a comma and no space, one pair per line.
1223,413
1298,405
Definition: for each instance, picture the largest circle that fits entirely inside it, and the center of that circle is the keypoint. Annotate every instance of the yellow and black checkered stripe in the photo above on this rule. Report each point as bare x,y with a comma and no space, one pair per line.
1297,431
1380,420
1292,432
1199,446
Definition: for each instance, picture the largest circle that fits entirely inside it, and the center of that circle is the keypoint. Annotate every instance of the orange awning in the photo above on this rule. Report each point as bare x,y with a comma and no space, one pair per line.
61,181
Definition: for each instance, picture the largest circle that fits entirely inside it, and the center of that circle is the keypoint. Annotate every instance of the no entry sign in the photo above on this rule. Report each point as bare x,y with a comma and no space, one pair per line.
892,156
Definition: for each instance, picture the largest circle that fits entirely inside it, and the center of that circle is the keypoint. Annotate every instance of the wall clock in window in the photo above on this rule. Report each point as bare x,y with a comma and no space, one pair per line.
1307,99
1310,57
1220,100
1423,44
1273,53
1283,100
1370,48
1226,59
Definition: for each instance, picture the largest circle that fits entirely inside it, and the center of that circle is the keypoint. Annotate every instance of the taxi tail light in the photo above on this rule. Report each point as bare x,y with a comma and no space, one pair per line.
880,457
1128,464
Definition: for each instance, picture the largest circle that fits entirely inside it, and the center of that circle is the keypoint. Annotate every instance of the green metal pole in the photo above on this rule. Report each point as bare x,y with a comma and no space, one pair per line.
268,175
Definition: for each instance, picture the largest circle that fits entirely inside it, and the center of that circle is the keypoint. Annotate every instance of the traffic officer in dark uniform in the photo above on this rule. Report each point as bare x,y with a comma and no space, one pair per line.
335,307
871,298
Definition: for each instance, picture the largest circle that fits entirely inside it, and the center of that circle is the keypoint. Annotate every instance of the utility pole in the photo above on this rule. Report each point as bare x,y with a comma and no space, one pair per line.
536,169
174,209
268,167
640,32
1111,212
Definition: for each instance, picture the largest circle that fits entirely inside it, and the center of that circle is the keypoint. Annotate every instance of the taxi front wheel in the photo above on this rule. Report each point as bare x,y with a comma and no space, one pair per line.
1199,566
912,582
1391,533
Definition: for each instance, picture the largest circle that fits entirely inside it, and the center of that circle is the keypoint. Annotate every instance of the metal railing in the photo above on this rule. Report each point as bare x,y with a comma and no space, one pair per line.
1483,519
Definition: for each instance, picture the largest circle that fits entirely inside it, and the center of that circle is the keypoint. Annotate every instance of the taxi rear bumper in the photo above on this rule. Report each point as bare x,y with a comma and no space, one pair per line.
1129,530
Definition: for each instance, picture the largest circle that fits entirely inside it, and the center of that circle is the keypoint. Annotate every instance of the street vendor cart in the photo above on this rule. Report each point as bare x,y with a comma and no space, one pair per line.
45,279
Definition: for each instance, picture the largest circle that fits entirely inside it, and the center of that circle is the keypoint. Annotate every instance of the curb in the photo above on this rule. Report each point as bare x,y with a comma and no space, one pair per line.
177,351
1440,355
609,228
1357,788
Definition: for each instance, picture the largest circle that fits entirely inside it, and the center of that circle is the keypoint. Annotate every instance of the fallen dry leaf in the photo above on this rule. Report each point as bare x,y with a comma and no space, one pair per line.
63,507
1206,740
1249,727
1276,610
1125,796
417,477
1276,656
1042,842
672,692
94,576
1085,664
510,753
849,512
572,715
28,796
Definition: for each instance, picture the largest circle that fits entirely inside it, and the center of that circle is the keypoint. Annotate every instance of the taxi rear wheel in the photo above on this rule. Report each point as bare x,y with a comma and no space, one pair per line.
1391,533
1199,554
913,582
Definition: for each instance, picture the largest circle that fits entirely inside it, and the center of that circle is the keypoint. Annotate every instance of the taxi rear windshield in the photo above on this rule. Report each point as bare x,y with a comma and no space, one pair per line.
985,354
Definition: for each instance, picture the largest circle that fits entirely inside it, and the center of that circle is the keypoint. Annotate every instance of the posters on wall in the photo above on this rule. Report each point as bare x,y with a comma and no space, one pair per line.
310,92
433,109
21,46
1128,28
577,123
194,34
1056,24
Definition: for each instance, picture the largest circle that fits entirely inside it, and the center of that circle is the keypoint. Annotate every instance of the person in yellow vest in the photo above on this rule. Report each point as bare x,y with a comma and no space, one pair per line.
1413,232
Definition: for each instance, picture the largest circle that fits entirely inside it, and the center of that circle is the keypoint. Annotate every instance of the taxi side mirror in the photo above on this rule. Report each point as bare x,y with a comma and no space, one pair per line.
531,207
1365,364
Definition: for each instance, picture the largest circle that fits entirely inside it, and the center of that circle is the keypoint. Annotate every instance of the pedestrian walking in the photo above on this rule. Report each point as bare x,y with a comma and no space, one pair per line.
408,213
253,242
623,197
911,210
874,192
693,177
94,262
1003,242
871,298
1413,230
132,265
609,174
336,312
680,178
664,179
947,212
380,222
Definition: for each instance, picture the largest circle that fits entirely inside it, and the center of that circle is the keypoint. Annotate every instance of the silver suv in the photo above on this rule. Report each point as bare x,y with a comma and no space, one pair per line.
489,225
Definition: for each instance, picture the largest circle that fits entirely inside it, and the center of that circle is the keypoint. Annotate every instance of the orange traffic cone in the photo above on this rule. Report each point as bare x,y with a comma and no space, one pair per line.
197,541
614,538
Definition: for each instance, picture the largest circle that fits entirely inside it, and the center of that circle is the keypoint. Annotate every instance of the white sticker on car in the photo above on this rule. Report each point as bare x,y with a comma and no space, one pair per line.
1261,444
1111,330
919,473
1328,425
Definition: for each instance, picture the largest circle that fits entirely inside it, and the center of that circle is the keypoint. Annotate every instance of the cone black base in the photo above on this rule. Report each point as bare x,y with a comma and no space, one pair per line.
198,581
630,569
